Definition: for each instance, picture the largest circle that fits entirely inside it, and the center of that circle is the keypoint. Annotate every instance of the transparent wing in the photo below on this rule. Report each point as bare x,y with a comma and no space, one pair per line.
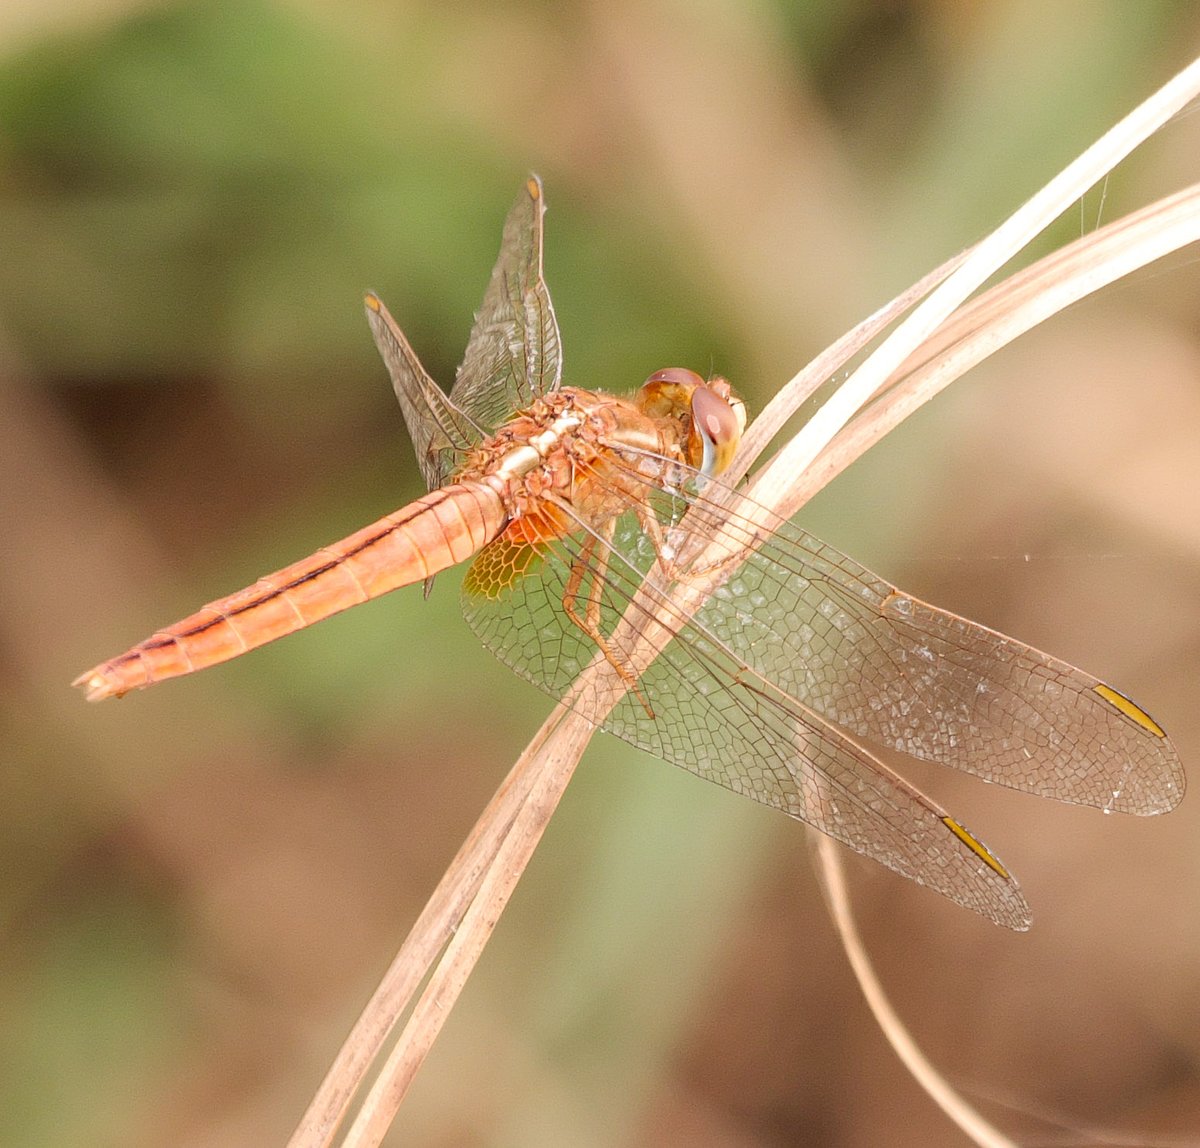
514,353
799,640
891,668
700,707
441,433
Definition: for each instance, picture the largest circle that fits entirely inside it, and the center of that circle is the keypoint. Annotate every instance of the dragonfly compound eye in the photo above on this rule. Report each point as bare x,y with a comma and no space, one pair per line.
680,376
718,421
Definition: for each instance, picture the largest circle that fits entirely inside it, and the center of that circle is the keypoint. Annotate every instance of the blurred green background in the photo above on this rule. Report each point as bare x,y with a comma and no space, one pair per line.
200,885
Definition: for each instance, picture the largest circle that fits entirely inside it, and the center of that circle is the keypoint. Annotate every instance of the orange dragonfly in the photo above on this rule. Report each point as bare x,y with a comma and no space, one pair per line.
585,513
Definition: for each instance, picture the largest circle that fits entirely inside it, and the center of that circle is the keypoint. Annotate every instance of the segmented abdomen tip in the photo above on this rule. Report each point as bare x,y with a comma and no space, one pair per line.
97,685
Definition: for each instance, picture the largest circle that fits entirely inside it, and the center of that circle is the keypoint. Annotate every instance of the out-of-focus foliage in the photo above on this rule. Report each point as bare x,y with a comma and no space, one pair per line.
198,886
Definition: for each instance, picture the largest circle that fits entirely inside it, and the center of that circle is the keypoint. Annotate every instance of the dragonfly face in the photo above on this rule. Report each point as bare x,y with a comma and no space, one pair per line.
715,417
747,651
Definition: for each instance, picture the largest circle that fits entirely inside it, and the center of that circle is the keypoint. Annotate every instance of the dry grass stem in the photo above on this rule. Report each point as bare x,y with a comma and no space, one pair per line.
781,486
1011,308
825,366
540,775
437,923
931,347
837,897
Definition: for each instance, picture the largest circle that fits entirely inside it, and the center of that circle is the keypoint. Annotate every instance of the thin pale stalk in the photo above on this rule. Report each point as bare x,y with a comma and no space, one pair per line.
1010,309
549,772
801,386
1033,294
837,897
432,929
988,324
772,486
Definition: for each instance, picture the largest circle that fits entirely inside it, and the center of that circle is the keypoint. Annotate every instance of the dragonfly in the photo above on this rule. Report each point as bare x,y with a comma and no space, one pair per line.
741,648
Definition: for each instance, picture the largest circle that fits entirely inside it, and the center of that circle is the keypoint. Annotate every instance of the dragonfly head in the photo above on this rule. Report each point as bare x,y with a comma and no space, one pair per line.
716,417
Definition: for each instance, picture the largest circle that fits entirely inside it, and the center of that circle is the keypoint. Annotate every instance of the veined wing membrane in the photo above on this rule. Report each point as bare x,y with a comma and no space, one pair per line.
514,353
441,433
798,652
895,670
513,356
701,707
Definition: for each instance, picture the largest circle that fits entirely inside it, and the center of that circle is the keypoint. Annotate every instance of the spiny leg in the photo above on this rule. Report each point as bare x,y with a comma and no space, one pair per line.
593,559
671,571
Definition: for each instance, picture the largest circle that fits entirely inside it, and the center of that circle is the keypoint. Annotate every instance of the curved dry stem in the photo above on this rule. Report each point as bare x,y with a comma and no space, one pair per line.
1008,310
817,373
921,356
837,897
782,485
432,930
542,773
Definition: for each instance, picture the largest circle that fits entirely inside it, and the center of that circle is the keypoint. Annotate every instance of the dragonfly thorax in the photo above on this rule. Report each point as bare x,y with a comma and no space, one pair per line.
552,449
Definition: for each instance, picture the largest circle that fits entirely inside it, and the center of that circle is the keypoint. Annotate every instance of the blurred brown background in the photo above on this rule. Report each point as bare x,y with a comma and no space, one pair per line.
201,884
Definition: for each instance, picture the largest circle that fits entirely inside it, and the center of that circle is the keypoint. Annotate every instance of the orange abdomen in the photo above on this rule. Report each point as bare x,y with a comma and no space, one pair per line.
432,533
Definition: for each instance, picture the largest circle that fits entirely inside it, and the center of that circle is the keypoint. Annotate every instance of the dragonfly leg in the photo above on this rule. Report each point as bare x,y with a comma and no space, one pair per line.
662,559
671,571
593,559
